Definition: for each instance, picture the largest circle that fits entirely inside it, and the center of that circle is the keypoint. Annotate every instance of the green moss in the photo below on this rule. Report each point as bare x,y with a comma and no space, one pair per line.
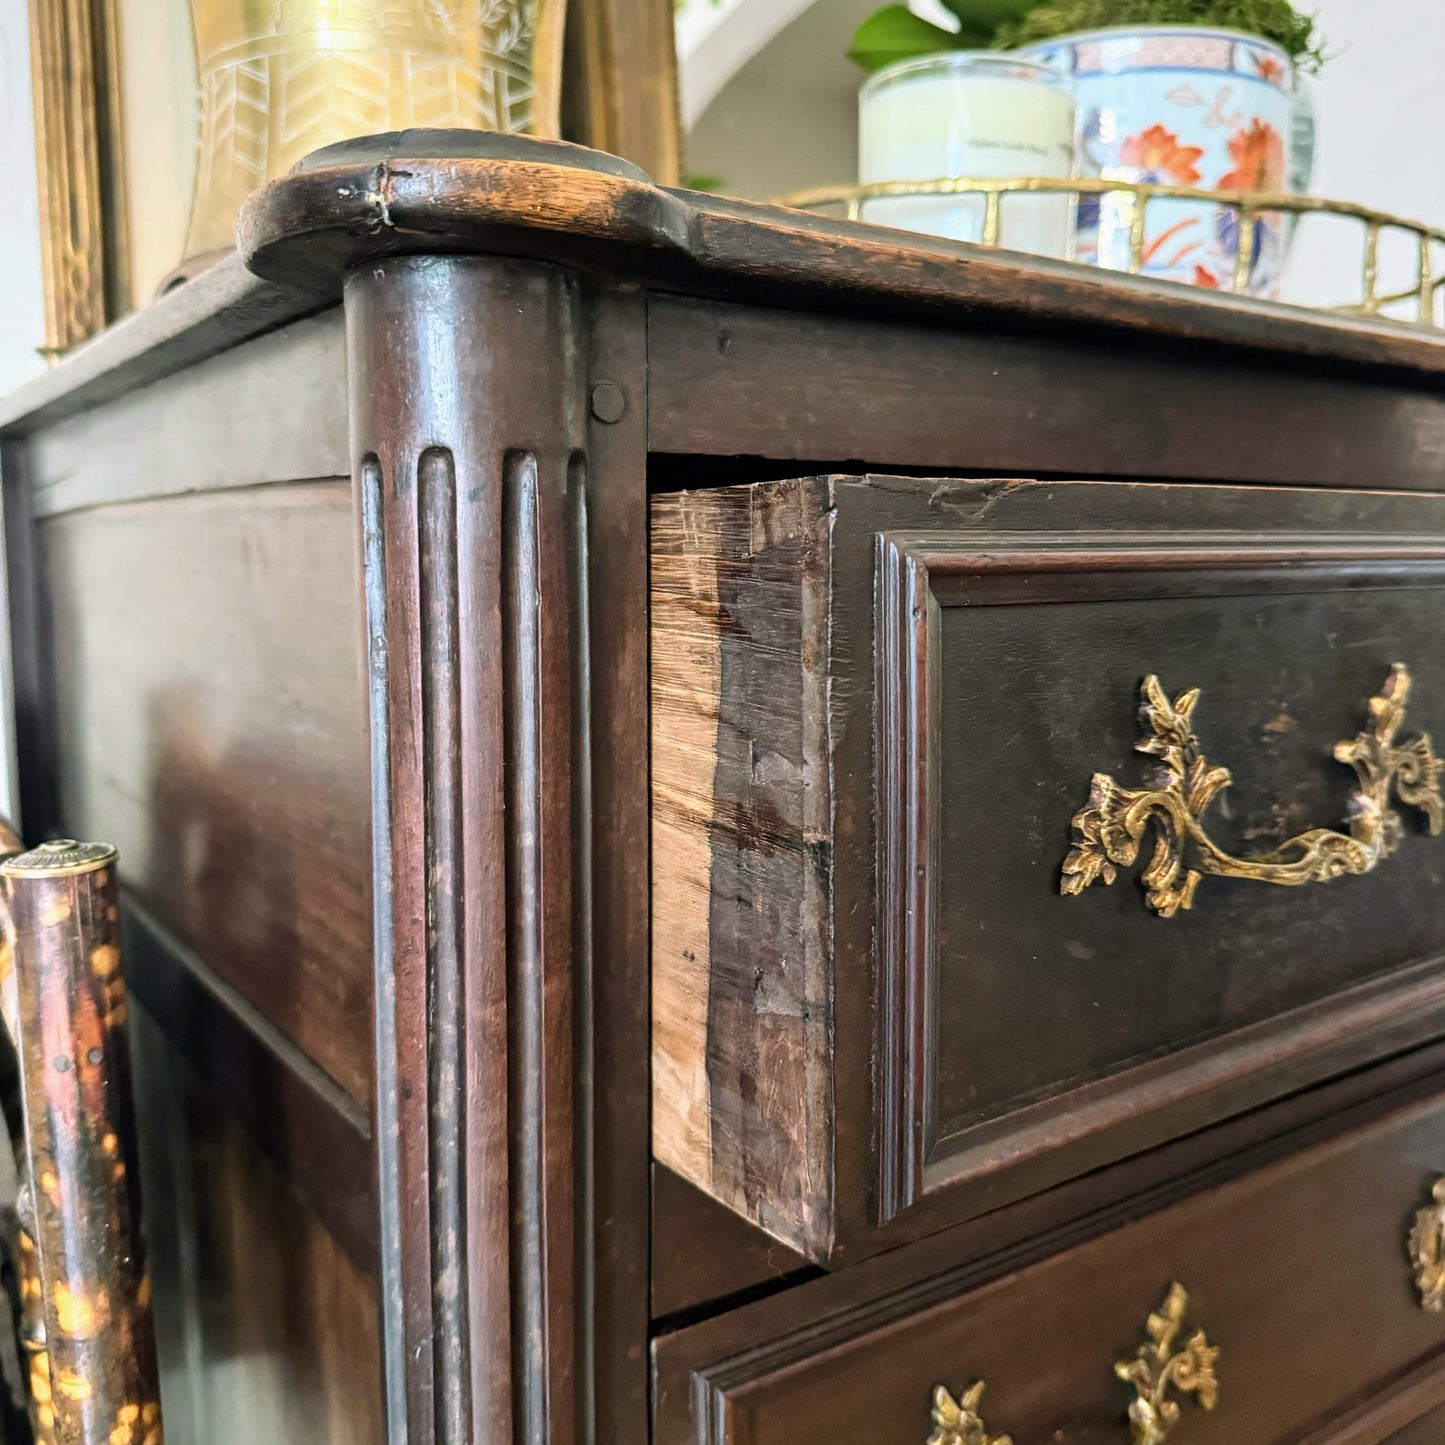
1275,20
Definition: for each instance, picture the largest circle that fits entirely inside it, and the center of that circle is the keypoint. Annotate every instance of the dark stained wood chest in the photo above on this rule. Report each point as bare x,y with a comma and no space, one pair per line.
602,693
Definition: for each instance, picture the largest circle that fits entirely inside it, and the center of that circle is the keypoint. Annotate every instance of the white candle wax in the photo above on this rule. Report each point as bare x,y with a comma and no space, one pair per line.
965,116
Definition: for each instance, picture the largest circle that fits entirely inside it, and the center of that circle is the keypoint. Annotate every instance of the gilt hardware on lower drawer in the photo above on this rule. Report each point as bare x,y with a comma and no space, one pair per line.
959,1422
1427,1251
1158,1369
1108,832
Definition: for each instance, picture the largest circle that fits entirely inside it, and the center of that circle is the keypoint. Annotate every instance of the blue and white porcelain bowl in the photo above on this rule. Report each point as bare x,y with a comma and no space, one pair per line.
1180,106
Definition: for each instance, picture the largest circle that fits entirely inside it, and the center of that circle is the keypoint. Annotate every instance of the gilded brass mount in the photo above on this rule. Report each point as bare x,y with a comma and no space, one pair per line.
1427,1251
1157,1371
958,1422
1109,831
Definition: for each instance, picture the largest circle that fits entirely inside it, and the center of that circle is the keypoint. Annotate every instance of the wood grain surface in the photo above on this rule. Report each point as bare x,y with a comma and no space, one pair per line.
830,392
211,723
269,411
741,1261
306,1125
560,335
620,93
510,194
741,766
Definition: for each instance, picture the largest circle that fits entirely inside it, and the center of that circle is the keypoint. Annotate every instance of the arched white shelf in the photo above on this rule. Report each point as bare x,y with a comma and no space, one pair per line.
716,38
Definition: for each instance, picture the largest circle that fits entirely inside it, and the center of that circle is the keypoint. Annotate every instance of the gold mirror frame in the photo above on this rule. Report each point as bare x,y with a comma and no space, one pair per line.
74,70
605,73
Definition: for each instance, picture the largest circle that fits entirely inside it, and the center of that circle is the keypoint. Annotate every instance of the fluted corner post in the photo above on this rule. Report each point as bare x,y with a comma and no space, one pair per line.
470,397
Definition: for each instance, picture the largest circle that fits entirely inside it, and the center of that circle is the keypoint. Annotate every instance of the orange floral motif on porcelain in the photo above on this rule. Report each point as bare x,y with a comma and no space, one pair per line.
1258,154
1158,153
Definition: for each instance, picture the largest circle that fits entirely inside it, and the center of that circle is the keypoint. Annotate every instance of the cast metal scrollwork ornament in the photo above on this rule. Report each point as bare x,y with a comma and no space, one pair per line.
958,1421
1427,1251
1158,1369
1109,831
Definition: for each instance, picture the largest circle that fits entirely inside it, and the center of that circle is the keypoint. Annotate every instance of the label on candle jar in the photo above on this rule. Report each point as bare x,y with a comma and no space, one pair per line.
960,118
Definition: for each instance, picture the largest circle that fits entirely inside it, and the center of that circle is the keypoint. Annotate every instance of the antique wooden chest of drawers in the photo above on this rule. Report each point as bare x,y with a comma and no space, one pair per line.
705,798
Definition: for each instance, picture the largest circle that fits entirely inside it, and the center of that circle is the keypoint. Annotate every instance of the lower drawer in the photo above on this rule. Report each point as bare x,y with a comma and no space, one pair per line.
1302,1275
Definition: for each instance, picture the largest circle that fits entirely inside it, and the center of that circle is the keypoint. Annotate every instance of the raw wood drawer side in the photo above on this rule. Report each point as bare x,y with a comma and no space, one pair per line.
741,831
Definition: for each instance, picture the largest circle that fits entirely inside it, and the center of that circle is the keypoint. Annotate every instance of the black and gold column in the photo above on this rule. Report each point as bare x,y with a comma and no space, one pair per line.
75,1068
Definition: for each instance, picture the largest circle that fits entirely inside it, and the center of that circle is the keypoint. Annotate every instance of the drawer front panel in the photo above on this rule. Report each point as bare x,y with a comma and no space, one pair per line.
1281,679
882,711
1021,1002
1300,1276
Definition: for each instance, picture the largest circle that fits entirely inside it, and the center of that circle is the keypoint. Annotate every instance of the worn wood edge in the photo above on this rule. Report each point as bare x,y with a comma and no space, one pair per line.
742,1063
315,223
684,684
966,280
217,310
305,1123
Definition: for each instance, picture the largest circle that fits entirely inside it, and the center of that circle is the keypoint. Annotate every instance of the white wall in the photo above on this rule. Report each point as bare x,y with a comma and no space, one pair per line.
789,116
1381,105
788,119
22,314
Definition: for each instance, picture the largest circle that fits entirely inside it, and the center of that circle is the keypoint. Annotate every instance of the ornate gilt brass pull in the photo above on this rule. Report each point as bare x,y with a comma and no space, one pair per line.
1108,833
1427,1251
1157,1372
1158,1369
958,1421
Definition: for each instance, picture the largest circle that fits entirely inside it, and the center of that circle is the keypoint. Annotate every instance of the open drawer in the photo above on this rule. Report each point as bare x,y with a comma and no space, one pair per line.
883,1000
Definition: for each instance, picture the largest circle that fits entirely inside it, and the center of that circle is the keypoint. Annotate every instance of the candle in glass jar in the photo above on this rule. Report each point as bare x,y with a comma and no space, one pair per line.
970,114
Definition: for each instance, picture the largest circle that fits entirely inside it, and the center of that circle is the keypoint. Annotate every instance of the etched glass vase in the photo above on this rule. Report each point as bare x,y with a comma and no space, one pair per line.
282,78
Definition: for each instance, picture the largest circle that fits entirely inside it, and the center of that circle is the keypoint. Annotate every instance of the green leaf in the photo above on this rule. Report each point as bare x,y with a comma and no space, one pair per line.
981,19
895,33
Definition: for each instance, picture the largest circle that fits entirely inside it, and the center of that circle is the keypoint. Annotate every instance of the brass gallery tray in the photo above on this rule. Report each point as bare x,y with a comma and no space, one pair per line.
1419,302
